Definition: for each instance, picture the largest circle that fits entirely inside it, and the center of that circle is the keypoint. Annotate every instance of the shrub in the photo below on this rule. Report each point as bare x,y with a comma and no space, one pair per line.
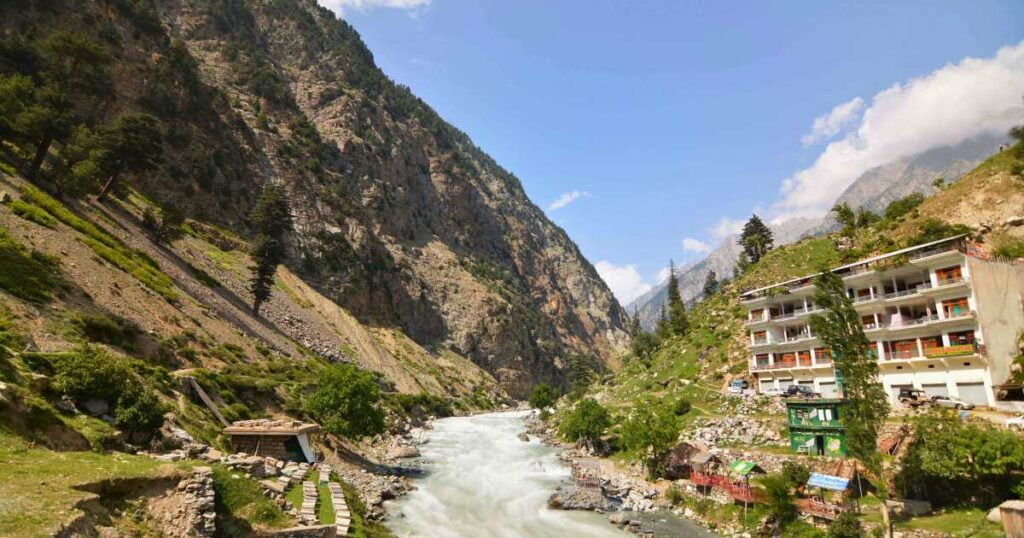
847,525
139,410
346,402
1009,247
586,422
795,473
934,229
99,328
674,495
901,207
778,499
682,407
89,372
543,396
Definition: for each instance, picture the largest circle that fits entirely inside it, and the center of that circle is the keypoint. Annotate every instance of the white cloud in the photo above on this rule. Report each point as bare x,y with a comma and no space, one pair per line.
945,107
827,126
663,275
339,6
567,198
725,227
696,246
625,281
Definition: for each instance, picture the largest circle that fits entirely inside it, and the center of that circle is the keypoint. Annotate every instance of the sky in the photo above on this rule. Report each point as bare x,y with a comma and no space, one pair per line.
650,130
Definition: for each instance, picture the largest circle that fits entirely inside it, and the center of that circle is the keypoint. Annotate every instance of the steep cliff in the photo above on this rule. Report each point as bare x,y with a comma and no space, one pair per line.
399,218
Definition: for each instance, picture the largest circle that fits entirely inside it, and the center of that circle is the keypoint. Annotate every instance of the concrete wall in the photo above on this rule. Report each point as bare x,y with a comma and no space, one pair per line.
999,293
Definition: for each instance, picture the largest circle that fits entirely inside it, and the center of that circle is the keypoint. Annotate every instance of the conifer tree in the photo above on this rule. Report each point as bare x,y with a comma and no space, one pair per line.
710,284
133,143
756,239
839,328
742,263
271,220
677,322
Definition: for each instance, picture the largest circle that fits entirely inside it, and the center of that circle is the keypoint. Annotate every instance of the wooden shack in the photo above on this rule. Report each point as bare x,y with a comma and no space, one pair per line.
288,440
677,463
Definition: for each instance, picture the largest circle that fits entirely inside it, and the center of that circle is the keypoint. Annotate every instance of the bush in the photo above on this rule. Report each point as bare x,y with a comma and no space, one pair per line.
847,525
901,207
139,410
586,422
543,396
682,407
795,473
778,499
89,372
1009,247
674,495
346,402
934,229
99,328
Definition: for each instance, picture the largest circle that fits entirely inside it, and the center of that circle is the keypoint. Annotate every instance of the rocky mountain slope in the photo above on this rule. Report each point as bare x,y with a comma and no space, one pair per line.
402,225
873,190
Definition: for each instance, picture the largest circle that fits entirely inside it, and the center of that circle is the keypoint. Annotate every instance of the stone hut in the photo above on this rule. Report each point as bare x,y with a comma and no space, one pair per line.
288,440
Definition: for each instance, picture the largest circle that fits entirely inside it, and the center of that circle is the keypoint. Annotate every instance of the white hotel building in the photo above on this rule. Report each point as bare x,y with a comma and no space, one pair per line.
941,317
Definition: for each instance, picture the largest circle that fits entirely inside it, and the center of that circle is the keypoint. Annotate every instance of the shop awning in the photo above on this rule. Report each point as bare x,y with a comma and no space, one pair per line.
825,481
741,467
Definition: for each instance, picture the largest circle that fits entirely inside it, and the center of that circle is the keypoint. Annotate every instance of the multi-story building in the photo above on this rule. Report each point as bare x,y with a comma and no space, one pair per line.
941,317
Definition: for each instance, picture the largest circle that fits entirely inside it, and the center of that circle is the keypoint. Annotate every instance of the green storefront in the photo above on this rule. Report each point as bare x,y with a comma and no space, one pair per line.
816,426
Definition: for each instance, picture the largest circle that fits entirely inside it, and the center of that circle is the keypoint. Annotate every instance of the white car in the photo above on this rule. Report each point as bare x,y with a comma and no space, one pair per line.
772,391
1015,423
951,402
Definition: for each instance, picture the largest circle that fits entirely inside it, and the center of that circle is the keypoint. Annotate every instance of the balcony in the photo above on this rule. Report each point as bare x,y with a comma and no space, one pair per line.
866,298
902,355
932,252
951,281
788,339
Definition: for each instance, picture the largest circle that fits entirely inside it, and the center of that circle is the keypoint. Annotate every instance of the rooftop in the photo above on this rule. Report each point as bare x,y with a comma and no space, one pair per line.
749,294
266,426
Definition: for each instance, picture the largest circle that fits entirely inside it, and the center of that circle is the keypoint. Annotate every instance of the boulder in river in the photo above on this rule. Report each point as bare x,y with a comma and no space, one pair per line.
574,498
402,452
523,437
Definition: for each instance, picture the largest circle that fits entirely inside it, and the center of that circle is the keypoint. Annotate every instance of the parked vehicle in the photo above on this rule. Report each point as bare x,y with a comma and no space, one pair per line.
737,386
951,402
914,397
800,391
1015,423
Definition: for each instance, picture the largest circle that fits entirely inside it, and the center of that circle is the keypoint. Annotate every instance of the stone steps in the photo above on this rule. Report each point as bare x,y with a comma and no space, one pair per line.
342,517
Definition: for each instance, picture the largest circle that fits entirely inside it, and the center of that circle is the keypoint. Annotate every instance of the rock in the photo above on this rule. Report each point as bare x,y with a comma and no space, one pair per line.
96,407
617,518
909,507
573,498
523,437
5,197
1014,221
175,432
403,452
995,515
213,456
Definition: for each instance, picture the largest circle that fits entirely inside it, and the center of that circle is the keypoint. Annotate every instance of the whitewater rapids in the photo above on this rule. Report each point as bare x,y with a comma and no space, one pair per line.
482,481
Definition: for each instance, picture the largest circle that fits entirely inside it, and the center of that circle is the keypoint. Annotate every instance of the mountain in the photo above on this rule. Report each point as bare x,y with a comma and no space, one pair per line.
874,189
402,224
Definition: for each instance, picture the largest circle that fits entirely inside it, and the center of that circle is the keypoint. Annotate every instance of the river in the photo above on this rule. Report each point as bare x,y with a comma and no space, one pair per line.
482,481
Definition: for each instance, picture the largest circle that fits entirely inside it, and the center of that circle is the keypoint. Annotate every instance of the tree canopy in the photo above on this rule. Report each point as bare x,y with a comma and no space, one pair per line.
543,396
586,422
840,329
650,432
346,402
756,239
271,220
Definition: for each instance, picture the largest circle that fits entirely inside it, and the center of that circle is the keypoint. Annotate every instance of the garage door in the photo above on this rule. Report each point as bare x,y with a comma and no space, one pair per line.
807,383
936,389
767,384
896,391
829,390
785,383
973,392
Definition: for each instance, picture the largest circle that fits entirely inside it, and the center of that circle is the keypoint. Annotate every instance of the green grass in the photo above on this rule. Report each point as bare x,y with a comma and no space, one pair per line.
324,508
37,485
29,275
963,523
241,504
32,213
106,246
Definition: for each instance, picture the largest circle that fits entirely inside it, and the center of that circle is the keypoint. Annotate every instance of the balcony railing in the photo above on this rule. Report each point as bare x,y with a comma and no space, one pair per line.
931,252
913,322
951,351
865,298
902,355
796,337
949,281
956,314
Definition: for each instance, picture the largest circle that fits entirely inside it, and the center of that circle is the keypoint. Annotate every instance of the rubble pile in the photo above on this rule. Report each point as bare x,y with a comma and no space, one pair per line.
736,430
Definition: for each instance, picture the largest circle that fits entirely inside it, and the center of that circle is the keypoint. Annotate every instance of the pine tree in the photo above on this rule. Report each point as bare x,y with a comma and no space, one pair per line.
756,239
677,322
839,328
634,323
271,220
133,143
710,284
742,263
662,329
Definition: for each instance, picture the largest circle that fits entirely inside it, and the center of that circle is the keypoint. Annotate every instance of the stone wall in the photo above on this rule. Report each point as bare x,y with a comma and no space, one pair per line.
262,445
315,531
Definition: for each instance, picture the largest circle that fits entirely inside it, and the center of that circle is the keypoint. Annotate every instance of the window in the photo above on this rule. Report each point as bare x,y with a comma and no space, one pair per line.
949,275
822,354
961,338
954,308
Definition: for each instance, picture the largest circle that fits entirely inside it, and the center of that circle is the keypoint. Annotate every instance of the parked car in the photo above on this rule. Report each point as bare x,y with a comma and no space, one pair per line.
1015,423
914,397
952,402
772,391
737,386
800,391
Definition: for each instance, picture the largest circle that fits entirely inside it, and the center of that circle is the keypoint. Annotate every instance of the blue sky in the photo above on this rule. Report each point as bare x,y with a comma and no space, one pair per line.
665,121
